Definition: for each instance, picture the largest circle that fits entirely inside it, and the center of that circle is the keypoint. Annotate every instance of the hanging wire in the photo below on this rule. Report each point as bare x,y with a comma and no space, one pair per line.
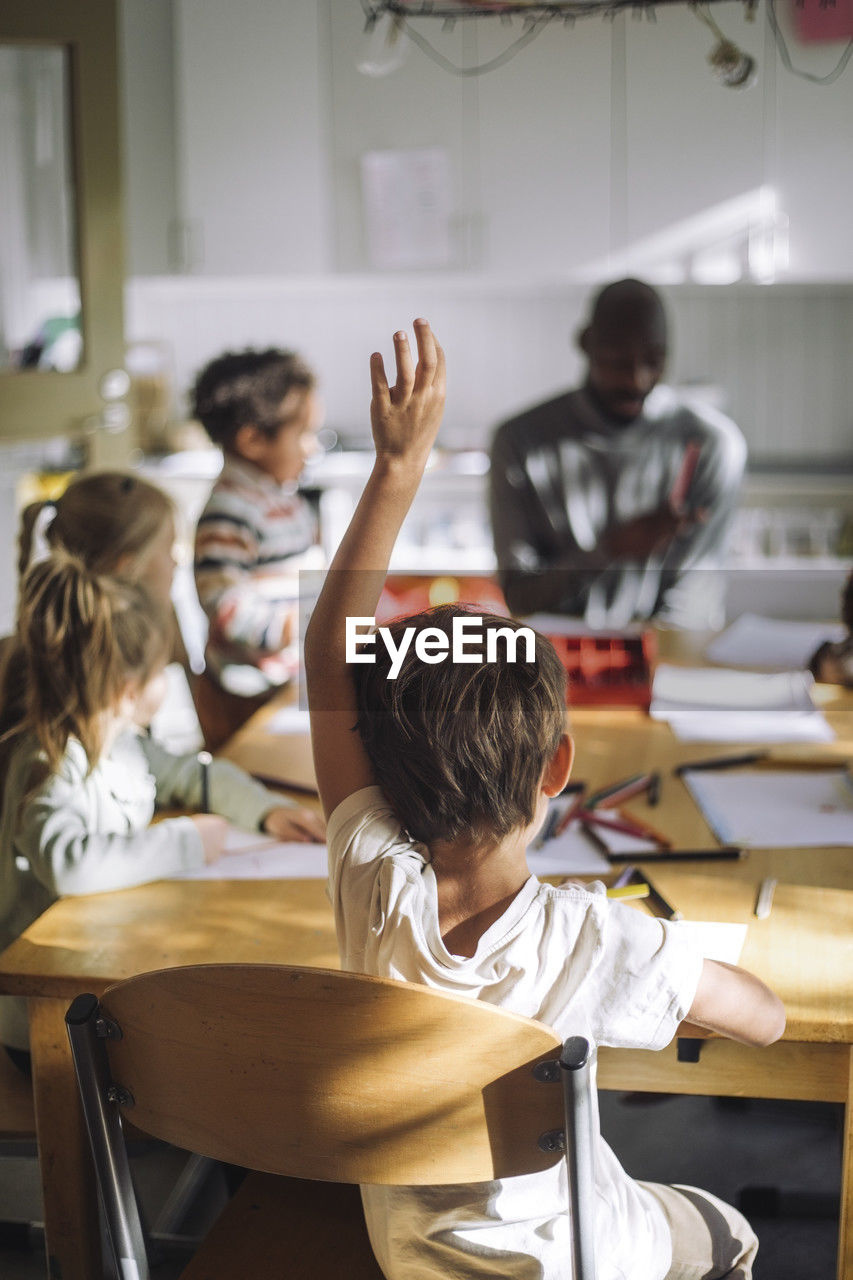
704,15
785,56
482,68
538,17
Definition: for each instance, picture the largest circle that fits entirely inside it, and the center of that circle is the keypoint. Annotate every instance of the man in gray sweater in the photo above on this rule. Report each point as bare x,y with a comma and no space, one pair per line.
603,498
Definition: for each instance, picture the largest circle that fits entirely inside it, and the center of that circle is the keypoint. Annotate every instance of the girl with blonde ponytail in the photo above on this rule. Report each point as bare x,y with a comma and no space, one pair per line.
81,780
113,521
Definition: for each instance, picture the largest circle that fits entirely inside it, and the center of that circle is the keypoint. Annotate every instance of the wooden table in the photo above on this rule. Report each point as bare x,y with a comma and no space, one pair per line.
803,950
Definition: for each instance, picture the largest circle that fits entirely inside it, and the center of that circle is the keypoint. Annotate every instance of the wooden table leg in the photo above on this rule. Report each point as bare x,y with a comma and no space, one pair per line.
72,1228
845,1231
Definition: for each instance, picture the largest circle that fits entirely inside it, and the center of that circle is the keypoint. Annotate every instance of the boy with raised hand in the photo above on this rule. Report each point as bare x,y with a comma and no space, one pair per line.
434,783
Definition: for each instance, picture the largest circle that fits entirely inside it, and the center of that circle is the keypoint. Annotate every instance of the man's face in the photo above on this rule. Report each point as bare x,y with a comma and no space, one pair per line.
623,369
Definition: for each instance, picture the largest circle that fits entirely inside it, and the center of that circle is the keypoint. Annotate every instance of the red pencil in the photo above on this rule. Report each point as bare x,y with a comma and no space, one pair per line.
678,492
629,826
628,792
571,813
645,828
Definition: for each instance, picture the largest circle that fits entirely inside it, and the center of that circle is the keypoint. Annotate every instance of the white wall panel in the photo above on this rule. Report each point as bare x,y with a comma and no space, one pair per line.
779,356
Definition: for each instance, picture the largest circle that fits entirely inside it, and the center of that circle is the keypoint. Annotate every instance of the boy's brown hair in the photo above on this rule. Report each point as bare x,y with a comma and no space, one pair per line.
459,750
242,388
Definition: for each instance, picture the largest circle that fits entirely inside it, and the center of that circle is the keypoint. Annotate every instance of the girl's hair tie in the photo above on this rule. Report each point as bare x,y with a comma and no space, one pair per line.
40,548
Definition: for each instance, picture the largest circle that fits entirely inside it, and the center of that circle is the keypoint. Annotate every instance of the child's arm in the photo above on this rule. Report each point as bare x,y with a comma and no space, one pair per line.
65,854
734,1003
405,420
231,792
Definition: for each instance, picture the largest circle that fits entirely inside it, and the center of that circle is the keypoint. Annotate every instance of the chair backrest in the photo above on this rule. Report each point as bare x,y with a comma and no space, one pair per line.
331,1076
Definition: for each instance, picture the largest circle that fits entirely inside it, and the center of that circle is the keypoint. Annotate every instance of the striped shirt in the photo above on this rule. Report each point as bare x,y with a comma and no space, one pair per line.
252,539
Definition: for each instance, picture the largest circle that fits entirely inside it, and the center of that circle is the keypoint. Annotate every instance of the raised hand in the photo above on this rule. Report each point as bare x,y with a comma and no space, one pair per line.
405,418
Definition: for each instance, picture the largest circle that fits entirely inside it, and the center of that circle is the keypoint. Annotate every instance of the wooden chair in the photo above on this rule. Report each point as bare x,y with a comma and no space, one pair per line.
17,1117
18,1143
327,1077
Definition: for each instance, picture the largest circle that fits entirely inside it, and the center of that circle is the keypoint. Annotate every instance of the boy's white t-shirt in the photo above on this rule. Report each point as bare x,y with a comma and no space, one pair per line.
565,956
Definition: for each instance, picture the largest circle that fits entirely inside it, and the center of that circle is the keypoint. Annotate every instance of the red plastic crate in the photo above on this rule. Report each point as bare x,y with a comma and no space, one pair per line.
608,670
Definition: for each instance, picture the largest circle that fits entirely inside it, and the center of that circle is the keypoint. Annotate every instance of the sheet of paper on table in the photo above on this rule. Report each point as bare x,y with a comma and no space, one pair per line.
574,854
776,808
771,644
703,704
251,856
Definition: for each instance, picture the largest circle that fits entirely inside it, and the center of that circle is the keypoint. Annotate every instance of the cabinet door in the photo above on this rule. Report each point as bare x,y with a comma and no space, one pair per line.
61,252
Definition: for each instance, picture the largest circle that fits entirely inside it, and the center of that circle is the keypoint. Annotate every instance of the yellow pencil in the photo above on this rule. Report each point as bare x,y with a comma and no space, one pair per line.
638,890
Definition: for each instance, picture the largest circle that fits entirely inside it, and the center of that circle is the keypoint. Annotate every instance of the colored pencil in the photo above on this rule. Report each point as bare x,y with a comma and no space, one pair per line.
639,889
205,760
719,762
634,785
727,854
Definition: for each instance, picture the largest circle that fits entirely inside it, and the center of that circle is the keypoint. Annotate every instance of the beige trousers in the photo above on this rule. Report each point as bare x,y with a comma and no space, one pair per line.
711,1240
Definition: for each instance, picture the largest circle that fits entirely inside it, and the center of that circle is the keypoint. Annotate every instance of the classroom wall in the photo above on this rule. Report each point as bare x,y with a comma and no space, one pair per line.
591,143
251,137
149,170
592,138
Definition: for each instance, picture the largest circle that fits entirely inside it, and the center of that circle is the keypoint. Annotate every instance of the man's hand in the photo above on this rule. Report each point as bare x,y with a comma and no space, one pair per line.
642,537
405,418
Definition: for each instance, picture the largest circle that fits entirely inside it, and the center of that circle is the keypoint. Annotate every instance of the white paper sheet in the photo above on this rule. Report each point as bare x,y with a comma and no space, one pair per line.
251,856
570,854
751,726
681,689
705,704
776,809
771,644
573,853
408,202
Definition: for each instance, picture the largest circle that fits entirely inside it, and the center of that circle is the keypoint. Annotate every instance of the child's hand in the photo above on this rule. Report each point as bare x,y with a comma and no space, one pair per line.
213,831
405,418
295,825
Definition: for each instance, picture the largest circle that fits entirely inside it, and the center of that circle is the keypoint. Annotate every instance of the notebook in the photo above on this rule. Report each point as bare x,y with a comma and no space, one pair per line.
776,808
771,644
707,704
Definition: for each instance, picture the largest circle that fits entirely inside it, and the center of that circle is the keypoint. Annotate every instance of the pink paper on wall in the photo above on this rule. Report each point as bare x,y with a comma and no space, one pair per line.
817,20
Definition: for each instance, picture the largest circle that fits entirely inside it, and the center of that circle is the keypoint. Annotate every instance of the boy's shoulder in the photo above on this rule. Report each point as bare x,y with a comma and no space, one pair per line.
364,827
235,484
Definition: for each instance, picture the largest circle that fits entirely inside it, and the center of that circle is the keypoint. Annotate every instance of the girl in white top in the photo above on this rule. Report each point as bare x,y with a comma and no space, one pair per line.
432,804
81,781
117,523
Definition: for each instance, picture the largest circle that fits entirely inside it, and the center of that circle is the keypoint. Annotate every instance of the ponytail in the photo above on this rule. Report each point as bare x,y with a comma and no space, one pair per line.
108,519
84,636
